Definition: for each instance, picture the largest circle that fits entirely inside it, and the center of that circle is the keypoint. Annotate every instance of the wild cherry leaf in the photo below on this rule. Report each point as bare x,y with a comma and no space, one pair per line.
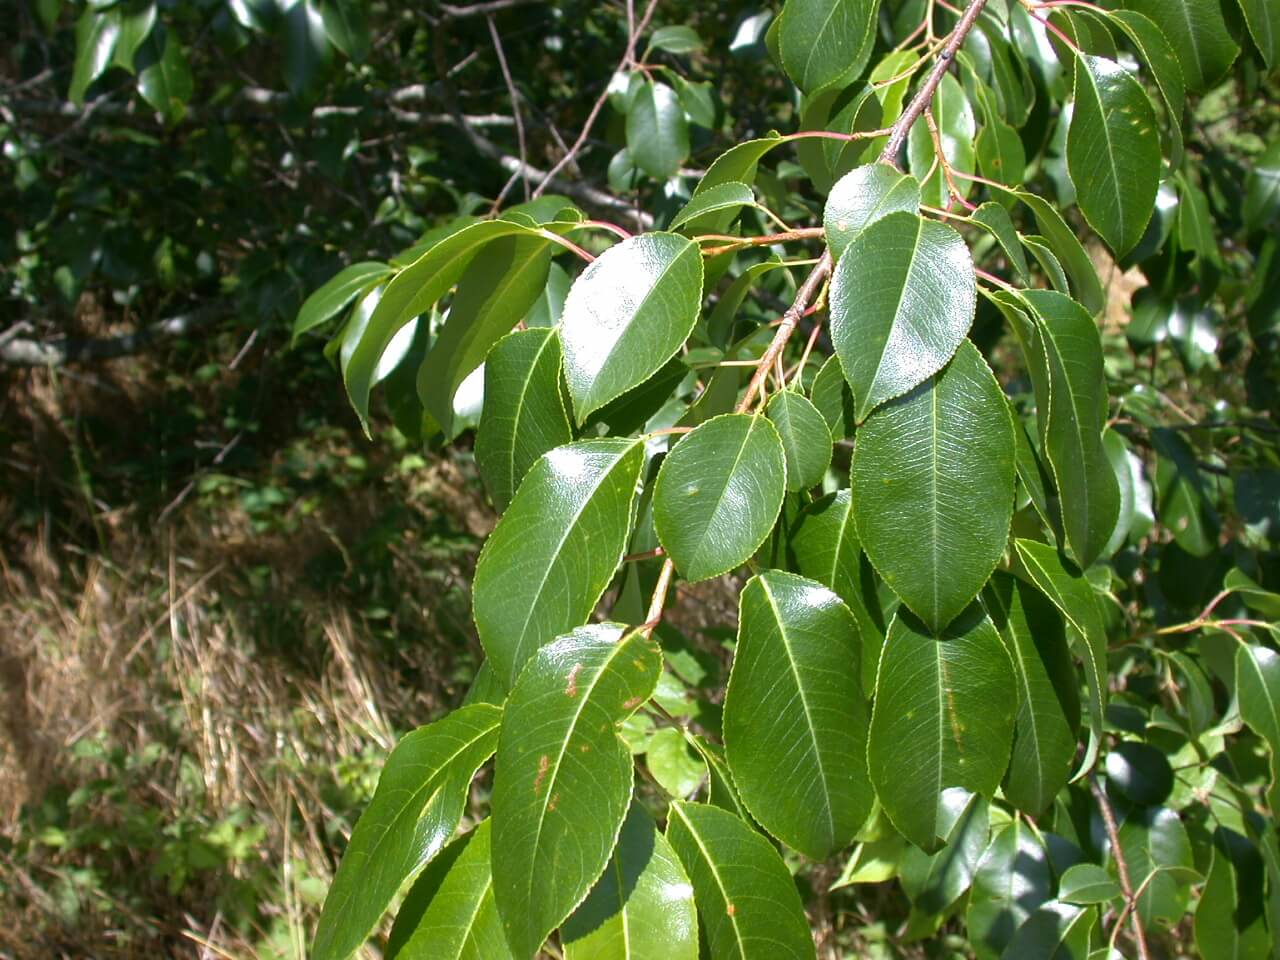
1044,732
795,716
657,131
420,799
957,127
1154,840
806,441
450,913
1262,189
746,898
1225,927
1198,33
826,41
902,299
563,777
1067,248
1056,930
831,396
524,412
995,219
1073,379
1113,153
547,562
97,33
718,494
824,540
411,292
862,196
1159,59
934,881
942,718
327,302
641,907
1011,880
627,314
932,480
731,195
499,286
1086,883
1258,687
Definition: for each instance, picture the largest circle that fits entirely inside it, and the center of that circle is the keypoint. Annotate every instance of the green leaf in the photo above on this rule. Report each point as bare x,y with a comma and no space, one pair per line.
136,21
957,127
657,131
1157,56
795,716
524,412
934,881
942,718
96,36
824,539
412,292
831,397
861,197
563,778
165,81
1000,153
1074,381
1198,34
676,766
1044,739
307,52
1012,880
825,42
1068,249
738,163
420,799
1087,883
675,39
1154,841
627,314
1226,929
500,285
1071,593
731,195
1262,189
902,299
346,27
1139,772
642,905
1185,506
932,481
1113,153
547,562
806,441
1258,688
450,913
746,897
332,298
994,218
1057,931
718,494
1263,18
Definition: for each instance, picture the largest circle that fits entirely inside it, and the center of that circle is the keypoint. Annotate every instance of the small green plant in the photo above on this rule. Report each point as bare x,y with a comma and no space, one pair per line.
1006,633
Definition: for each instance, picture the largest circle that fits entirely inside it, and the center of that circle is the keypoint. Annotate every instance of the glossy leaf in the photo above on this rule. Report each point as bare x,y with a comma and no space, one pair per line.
1075,384
902,299
823,42
563,778
932,481
420,799
547,562
746,898
1113,153
1198,34
718,494
1087,883
1158,854
412,292
934,881
1139,772
831,396
1262,189
1258,687
1044,739
499,286
861,197
806,441
994,218
1085,285
1071,593
657,131
96,36
524,412
450,914
1058,931
824,539
337,294
731,195
957,128
1157,56
641,907
1012,880
942,718
795,716
346,27
627,314
164,77
1226,929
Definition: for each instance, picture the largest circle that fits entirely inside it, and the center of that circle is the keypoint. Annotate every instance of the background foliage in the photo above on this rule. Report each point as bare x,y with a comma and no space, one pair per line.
223,606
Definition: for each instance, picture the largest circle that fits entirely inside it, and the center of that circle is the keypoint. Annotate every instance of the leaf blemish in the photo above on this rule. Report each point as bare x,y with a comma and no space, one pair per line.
632,703
544,764
571,689
551,806
731,910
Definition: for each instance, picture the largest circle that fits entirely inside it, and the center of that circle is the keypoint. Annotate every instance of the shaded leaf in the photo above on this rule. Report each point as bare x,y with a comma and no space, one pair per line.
806,441
657,131
823,42
1011,882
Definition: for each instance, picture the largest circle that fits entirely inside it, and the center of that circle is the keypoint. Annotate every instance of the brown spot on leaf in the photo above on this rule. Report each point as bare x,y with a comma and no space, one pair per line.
632,703
732,910
555,798
571,689
544,764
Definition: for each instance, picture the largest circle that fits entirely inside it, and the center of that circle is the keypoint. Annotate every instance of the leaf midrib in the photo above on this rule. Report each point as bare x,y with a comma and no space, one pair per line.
678,810
728,478
520,409
910,262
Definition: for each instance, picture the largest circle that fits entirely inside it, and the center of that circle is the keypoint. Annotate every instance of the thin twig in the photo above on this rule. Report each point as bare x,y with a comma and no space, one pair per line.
1122,866
515,106
627,58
